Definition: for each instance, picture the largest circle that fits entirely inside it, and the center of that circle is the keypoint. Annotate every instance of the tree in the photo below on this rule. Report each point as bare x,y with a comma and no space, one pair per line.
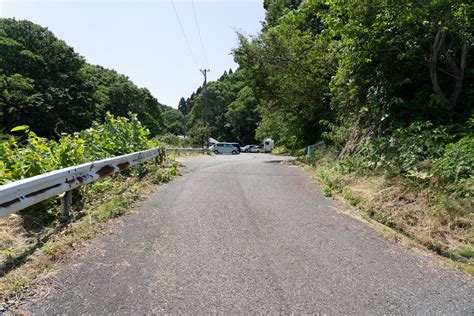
173,120
243,117
42,85
452,24
351,71
117,94
221,94
393,61
275,9
199,134
289,68
182,106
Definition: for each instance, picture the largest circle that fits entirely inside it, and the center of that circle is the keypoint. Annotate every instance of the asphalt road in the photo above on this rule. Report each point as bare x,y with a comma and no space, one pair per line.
246,234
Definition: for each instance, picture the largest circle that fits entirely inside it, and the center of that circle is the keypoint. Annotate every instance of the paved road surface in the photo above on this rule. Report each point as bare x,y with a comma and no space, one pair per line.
247,234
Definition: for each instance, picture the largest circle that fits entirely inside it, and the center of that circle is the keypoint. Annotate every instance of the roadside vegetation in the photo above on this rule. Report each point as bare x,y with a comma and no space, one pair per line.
26,154
417,181
32,240
232,111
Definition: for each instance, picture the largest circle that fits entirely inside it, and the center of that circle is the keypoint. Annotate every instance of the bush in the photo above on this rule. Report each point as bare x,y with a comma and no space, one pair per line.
163,176
407,148
411,151
172,140
116,136
457,162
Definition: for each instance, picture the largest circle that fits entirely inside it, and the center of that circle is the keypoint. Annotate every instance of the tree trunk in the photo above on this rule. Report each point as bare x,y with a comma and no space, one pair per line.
460,78
456,72
433,63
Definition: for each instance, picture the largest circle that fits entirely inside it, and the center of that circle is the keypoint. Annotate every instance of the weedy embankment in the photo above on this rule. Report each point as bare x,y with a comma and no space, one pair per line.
418,182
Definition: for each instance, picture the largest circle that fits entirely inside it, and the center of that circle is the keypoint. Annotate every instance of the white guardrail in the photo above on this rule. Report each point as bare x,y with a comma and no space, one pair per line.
20,194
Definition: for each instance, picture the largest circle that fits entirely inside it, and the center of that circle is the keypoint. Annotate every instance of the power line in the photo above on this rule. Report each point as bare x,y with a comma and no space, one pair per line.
199,33
184,34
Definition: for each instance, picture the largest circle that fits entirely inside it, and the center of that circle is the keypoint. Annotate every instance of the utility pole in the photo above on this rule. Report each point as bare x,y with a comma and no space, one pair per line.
184,120
204,93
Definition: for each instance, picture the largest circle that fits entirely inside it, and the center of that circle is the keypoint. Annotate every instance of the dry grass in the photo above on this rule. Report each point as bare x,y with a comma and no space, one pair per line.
12,234
435,220
413,212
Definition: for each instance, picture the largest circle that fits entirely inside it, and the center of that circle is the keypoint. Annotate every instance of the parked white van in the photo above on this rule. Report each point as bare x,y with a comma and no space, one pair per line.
224,148
268,145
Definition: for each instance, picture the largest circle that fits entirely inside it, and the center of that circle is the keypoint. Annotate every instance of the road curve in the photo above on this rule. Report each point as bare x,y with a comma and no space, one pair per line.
247,234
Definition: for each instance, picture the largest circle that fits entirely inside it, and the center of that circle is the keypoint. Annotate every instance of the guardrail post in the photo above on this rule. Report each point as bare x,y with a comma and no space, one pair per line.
66,201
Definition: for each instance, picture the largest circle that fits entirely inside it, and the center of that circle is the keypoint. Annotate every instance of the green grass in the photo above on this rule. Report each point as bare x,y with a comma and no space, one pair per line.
350,197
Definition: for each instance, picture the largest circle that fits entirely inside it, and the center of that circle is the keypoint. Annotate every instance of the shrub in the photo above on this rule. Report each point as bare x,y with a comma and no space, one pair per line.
417,143
457,162
116,136
162,176
172,140
410,151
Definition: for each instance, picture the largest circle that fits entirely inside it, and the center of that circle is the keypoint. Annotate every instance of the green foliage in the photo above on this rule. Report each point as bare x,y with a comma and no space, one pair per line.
465,252
277,8
117,206
164,175
171,140
289,67
116,136
242,115
174,122
199,134
457,162
419,152
408,149
29,155
174,170
40,81
117,94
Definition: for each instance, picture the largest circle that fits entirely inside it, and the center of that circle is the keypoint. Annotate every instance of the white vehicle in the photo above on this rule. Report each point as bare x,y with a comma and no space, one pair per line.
268,144
224,148
248,148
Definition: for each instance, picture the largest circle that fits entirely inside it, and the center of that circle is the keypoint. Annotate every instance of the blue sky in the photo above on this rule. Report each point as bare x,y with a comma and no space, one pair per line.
143,40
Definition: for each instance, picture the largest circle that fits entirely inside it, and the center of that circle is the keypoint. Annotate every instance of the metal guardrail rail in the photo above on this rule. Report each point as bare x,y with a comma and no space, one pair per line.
20,194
